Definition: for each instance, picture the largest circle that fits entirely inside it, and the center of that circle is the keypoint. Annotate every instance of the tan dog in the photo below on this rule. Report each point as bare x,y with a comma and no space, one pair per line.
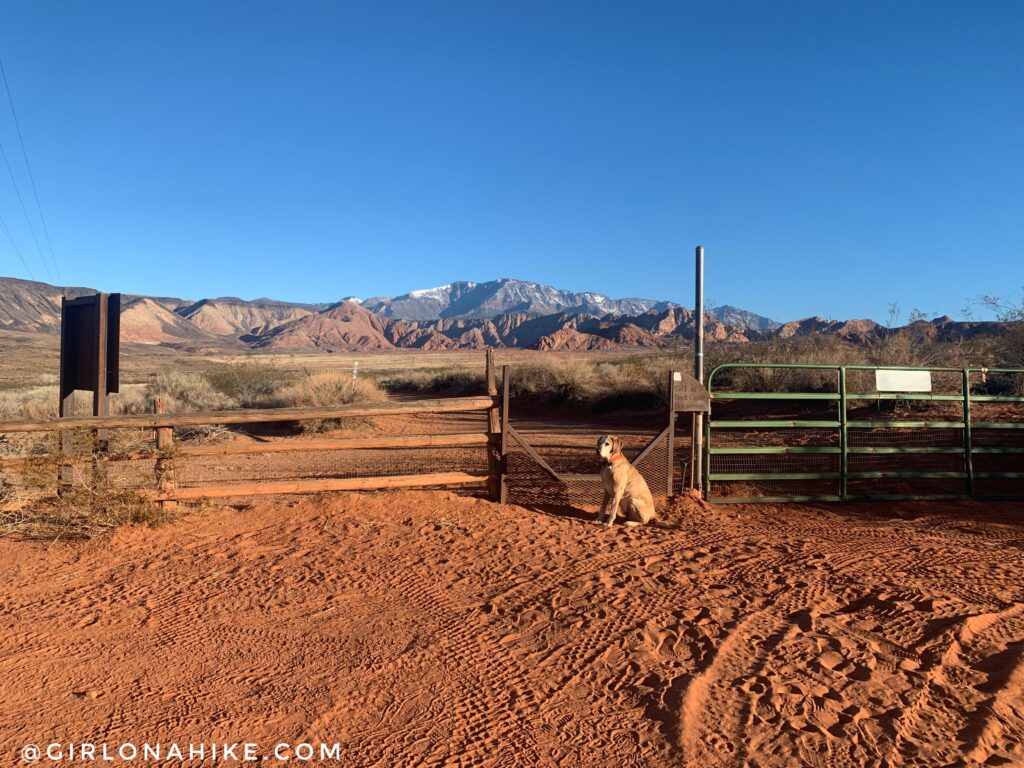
623,485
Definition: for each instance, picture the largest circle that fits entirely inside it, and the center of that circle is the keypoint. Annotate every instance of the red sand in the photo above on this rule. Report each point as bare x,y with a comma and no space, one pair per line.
422,628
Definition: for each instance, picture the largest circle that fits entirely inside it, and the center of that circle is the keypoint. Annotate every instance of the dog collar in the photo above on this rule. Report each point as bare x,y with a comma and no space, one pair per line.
614,458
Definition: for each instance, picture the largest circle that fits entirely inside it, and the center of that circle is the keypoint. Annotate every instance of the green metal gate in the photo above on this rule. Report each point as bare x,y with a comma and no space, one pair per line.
788,432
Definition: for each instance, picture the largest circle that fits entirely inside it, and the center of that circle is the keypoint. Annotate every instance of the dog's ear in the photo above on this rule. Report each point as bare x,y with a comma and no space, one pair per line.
616,445
600,441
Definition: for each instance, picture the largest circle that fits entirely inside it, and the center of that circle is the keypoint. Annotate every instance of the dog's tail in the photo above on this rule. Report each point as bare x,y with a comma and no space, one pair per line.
665,526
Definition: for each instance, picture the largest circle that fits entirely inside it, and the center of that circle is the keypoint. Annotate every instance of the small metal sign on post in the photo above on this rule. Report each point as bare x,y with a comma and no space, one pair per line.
689,395
90,343
686,395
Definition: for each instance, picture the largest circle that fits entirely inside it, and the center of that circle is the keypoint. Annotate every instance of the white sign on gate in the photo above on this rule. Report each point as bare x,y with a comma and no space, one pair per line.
903,381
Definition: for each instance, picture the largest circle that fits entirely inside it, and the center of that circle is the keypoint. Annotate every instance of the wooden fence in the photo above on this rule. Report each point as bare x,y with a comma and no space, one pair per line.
168,491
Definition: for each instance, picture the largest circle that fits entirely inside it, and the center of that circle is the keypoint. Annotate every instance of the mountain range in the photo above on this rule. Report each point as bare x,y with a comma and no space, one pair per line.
461,315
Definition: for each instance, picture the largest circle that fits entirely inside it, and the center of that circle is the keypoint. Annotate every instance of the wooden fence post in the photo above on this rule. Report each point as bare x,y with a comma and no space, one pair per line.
494,419
65,467
693,450
165,479
671,433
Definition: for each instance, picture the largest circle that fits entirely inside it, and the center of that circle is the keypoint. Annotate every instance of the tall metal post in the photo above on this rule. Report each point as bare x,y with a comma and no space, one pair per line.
698,368
503,491
65,407
494,417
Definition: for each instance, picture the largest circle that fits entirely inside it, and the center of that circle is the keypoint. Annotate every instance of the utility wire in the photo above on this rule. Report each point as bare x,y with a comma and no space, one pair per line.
31,176
24,210
14,245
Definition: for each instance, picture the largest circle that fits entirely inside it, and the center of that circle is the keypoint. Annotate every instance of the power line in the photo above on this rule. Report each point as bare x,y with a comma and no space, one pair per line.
14,245
31,176
28,219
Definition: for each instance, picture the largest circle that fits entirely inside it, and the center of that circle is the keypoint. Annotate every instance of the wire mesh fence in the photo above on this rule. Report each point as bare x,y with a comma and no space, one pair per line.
453,445
194,471
569,452
778,432
846,432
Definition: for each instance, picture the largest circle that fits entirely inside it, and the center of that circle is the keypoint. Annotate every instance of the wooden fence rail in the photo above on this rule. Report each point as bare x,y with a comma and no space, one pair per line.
445,440
275,487
252,415
168,492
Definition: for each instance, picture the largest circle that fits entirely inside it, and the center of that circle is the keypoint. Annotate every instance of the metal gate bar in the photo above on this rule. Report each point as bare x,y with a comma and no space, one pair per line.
834,484
528,478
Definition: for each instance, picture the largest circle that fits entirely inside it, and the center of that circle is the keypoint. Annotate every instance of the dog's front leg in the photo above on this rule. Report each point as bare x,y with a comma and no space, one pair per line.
604,505
616,500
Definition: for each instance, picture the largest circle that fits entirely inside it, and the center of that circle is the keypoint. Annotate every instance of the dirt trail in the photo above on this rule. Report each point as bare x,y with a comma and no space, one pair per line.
427,629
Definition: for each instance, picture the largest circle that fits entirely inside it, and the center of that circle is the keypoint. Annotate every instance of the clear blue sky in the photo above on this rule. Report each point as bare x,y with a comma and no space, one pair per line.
832,157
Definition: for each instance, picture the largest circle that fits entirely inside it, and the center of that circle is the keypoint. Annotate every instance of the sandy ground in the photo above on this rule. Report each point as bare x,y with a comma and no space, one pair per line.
424,628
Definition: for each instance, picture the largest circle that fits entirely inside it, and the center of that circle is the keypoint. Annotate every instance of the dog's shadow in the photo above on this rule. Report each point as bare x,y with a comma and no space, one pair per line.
556,500
563,511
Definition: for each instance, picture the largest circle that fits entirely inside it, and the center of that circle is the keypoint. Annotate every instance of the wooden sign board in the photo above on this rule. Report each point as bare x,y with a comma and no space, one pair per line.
689,395
90,334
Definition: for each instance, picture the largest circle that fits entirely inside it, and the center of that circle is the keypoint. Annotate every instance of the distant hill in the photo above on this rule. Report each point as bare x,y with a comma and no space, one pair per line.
464,315
26,305
147,321
245,320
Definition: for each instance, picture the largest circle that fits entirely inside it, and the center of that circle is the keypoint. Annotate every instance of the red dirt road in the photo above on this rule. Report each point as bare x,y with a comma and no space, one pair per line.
423,628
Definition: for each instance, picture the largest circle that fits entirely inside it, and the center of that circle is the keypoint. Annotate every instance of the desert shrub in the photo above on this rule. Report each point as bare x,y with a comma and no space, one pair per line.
571,380
435,381
911,346
132,399
559,382
1008,347
179,393
322,390
1011,345
820,350
36,403
251,383
639,382
94,505
184,393
636,383
81,513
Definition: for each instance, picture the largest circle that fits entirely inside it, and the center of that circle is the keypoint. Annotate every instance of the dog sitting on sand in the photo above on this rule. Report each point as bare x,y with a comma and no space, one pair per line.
624,486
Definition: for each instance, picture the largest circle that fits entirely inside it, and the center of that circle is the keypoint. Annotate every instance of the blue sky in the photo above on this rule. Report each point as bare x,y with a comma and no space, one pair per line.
832,157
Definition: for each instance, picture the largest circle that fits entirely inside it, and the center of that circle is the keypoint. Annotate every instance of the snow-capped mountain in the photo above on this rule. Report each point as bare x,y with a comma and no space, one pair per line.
461,315
741,318
470,300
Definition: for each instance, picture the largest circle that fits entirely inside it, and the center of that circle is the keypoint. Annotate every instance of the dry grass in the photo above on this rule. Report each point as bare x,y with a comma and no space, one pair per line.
250,383
36,403
84,512
94,505
327,389
640,381
589,382
30,506
575,381
436,380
